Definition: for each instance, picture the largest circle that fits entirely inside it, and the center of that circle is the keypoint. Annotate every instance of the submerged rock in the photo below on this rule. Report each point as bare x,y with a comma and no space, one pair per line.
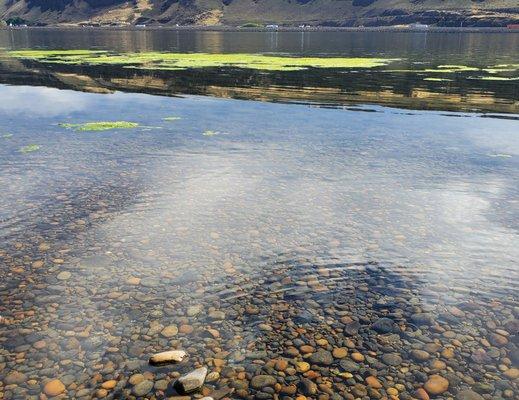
468,395
142,388
261,381
436,385
54,388
321,357
384,325
168,357
192,381
352,328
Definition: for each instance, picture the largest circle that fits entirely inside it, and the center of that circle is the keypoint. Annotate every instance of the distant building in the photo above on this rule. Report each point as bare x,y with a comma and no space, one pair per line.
418,25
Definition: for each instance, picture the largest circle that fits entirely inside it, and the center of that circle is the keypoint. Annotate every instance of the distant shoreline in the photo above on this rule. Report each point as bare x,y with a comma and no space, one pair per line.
432,29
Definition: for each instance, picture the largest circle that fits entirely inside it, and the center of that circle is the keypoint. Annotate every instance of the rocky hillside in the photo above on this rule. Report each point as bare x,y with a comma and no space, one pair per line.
282,12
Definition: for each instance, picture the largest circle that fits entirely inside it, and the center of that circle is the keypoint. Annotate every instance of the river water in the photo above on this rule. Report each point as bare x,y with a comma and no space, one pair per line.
295,246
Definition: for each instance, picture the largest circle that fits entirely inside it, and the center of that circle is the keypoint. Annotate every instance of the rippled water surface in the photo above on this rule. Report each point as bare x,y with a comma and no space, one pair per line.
294,250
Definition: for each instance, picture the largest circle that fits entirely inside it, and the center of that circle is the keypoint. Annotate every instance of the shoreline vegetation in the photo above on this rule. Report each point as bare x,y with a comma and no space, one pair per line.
225,28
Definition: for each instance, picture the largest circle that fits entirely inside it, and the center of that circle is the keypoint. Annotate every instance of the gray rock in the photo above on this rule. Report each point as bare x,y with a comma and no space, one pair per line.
307,387
143,388
422,319
349,366
468,394
392,359
194,310
384,325
192,381
321,357
420,355
217,315
64,275
352,328
261,381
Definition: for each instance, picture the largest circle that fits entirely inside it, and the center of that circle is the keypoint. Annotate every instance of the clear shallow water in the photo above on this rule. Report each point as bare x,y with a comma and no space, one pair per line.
294,221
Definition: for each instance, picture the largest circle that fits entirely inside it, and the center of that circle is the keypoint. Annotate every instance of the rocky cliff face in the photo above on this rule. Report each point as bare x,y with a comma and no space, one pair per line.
286,12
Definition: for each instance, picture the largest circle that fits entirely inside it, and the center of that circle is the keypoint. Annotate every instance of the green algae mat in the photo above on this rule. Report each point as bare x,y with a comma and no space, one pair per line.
100,126
29,148
263,62
181,61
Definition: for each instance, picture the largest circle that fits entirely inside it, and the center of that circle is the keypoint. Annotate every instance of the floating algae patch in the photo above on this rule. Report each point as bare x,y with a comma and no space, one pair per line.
453,68
495,78
7,135
171,118
437,79
101,126
496,69
180,61
29,148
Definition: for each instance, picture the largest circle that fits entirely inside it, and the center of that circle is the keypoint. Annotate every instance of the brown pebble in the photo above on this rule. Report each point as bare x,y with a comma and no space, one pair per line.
436,385
373,382
54,388
109,384
340,352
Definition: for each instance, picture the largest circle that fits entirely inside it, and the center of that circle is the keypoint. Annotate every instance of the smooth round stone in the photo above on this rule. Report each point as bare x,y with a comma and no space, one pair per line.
15,378
302,366
357,357
194,310
383,325
420,355
143,388
186,329
321,357
438,364
468,395
169,331
161,384
109,384
261,381
340,352
392,359
305,349
349,366
133,280
421,394
136,379
217,315
512,373
373,382
497,340
54,388
448,353
307,387
64,275
392,391
281,365
436,385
